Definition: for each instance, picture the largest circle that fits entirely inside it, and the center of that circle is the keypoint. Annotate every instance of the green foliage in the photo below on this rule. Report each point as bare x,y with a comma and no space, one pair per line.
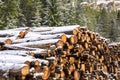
31,13
52,12
31,10
107,24
103,22
9,11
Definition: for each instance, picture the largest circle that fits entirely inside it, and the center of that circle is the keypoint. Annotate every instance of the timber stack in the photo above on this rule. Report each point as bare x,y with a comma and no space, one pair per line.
58,53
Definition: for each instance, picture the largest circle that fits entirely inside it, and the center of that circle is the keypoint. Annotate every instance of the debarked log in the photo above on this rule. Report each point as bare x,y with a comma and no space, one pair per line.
65,29
37,44
14,52
17,47
37,37
16,59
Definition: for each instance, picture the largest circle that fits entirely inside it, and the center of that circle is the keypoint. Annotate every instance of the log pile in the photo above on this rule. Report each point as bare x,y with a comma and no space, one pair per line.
55,53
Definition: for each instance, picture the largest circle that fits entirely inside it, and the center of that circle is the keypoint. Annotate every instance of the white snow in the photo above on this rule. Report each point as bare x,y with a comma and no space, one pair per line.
14,52
14,59
60,29
50,58
41,42
38,74
9,59
32,69
7,66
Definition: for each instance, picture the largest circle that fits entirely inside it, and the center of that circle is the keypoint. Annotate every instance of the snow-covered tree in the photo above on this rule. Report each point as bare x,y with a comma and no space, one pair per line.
31,11
9,11
52,12
103,22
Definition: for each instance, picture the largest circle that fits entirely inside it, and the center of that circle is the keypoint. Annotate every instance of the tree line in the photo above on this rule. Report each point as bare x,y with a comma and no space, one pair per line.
20,13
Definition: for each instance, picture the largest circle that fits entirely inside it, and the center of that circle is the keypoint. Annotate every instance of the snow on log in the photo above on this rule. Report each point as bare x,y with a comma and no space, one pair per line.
8,33
10,70
30,37
57,53
22,52
18,47
14,52
37,44
19,59
15,58
64,29
46,29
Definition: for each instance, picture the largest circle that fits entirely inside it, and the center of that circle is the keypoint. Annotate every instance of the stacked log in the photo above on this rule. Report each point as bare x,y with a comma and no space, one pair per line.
84,55
72,53
15,67
15,62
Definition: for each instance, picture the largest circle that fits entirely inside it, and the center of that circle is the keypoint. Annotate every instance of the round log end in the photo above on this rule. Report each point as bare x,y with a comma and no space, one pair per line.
60,43
75,31
8,41
37,63
46,73
76,75
64,38
25,70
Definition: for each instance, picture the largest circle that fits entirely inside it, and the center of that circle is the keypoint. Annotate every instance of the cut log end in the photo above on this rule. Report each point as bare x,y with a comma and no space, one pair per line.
64,38
25,70
76,75
75,31
73,40
60,43
8,41
46,73
37,63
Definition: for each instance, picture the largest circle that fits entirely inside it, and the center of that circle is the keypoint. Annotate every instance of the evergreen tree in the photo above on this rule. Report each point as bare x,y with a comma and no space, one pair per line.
113,29
31,12
103,23
92,16
9,11
52,12
118,25
86,16
72,12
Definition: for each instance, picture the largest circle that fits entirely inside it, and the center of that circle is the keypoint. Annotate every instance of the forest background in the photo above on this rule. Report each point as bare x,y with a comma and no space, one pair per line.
36,13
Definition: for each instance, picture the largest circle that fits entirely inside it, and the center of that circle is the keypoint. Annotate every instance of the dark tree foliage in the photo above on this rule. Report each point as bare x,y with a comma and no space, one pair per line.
20,13
31,12
9,11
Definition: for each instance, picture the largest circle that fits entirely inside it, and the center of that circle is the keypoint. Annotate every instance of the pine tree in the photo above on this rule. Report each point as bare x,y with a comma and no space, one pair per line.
86,16
72,12
9,11
103,23
1,7
113,29
31,12
52,12
92,16
118,25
